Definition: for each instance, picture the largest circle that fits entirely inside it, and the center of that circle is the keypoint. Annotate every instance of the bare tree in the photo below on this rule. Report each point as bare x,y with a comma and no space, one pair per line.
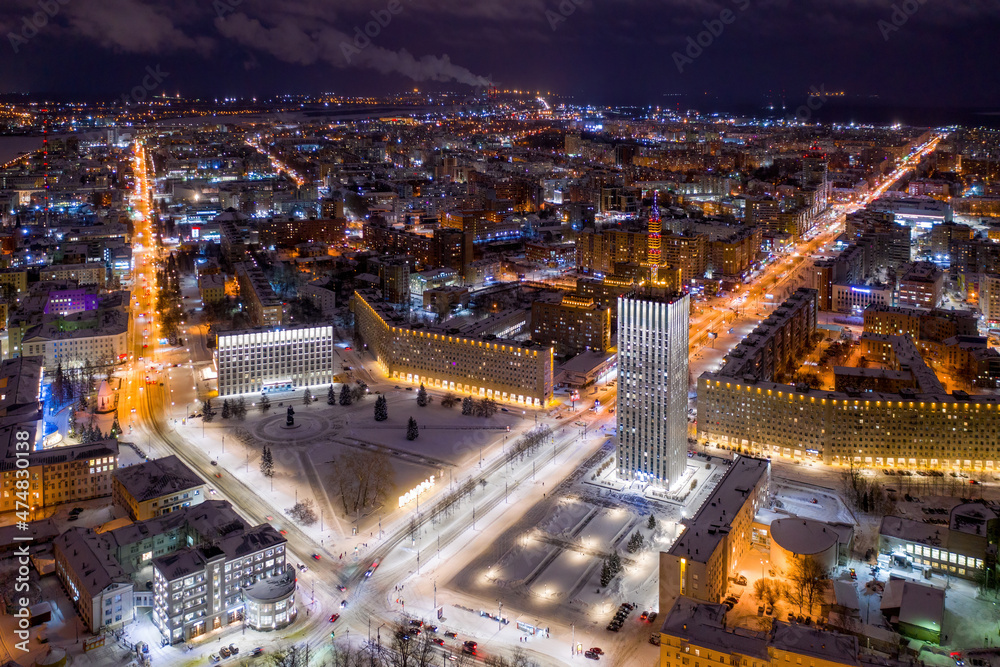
363,479
808,580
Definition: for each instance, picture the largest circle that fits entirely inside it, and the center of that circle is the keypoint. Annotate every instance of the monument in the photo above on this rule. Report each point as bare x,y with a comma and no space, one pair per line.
290,419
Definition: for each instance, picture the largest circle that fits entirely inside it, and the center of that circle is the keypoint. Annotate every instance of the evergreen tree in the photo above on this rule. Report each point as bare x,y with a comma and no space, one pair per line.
606,575
265,403
468,406
206,411
240,409
59,385
635,542
267,462
307,397
412,432
331,396
651,524
226,410
381,409
615,563
422,395
83,400
345,395
116,428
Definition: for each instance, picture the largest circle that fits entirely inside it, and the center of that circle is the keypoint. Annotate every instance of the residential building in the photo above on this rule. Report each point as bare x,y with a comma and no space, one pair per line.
571,324
686,251
323,294
212,287
921,286
599,252
99,586
652,391
278,359
713,541
89,273
257,296
504,370
201,589
157,487
99,569
394,280
695,632
925,428
58,475
989,298
773,348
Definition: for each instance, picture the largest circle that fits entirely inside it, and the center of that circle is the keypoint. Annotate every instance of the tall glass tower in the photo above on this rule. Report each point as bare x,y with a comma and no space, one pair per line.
652,385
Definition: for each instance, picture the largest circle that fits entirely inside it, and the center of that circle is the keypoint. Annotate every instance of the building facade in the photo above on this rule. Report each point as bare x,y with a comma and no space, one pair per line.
707,552
200,589
504,370
653,381
263,306
267,360
157,487
571,325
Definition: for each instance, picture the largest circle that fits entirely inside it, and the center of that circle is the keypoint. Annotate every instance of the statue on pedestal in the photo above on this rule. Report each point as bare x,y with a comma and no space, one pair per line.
290,419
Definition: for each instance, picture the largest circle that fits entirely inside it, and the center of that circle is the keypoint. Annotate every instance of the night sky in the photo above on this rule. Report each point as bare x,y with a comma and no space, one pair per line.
600,51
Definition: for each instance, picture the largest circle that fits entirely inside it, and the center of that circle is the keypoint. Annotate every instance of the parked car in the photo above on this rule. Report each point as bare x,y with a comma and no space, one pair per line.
225,652
257,651
591,655
214,657
654,639
234,648
451,635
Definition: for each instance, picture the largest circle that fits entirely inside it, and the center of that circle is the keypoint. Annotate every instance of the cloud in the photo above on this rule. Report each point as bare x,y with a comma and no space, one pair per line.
291,41
132,27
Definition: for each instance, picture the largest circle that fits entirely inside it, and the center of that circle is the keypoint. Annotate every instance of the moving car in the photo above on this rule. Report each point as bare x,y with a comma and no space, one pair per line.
317,556
334,617
372,569
257,651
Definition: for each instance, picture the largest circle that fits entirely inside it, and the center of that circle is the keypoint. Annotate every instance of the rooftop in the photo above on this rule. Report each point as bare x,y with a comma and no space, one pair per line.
914,603
160,477
705,530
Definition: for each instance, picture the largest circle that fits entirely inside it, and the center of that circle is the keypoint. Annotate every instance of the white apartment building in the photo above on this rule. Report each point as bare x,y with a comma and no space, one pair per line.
653,386
199,589
267,360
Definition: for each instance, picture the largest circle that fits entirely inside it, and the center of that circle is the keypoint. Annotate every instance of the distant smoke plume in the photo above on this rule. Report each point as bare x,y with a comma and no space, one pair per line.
289,42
